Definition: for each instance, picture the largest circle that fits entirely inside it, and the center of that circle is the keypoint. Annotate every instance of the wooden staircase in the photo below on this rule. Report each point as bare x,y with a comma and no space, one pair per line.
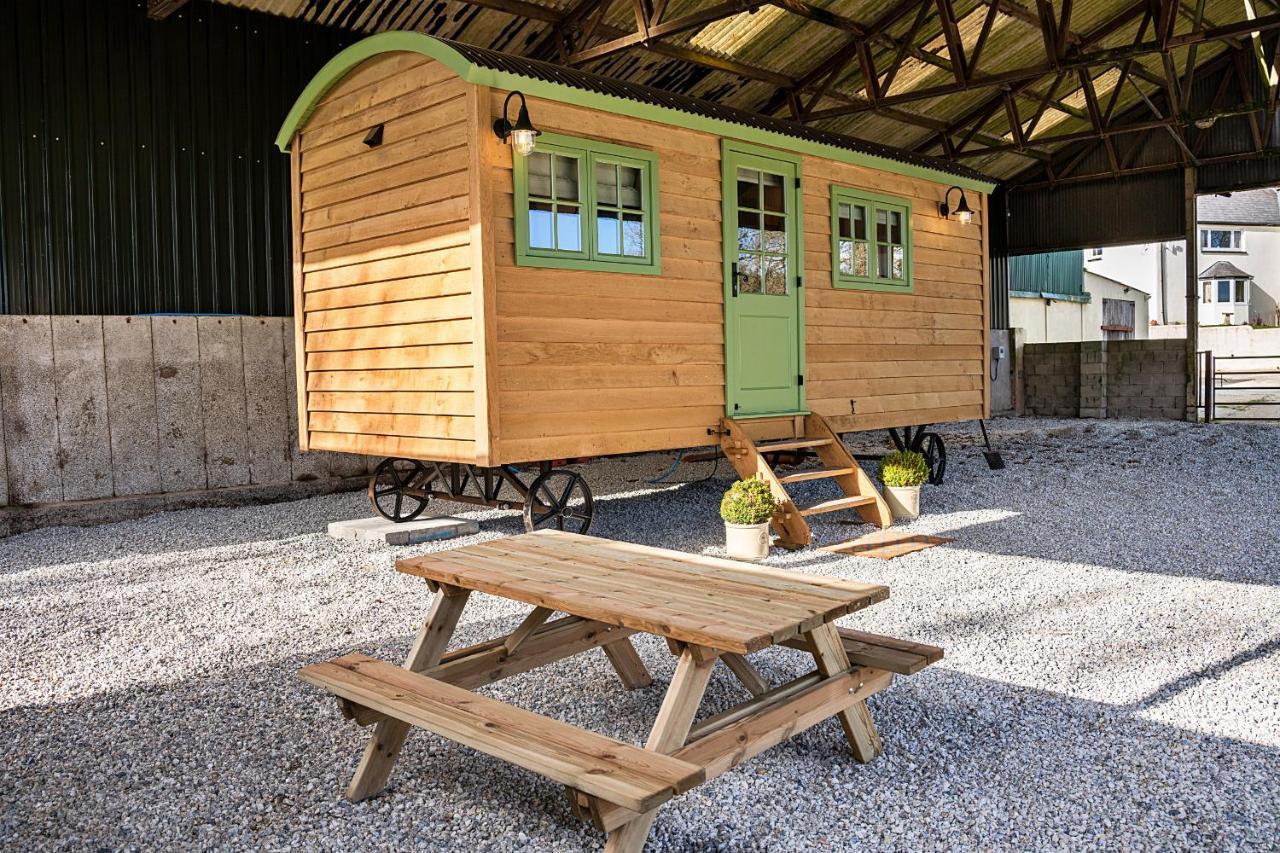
748,444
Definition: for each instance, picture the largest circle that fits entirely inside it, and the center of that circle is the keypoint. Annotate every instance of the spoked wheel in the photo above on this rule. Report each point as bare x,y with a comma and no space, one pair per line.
935,456
561,499
399,489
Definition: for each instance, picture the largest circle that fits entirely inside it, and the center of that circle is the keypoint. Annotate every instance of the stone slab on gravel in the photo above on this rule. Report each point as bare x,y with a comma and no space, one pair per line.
379,529
1110,610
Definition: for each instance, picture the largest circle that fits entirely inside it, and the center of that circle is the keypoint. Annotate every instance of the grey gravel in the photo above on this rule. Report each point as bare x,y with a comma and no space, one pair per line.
1110,609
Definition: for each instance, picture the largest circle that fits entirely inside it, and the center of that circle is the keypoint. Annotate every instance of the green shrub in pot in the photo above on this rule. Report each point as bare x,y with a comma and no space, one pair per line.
903,473
746,509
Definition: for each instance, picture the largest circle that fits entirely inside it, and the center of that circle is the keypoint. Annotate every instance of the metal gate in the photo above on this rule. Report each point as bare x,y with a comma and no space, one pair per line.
1240,387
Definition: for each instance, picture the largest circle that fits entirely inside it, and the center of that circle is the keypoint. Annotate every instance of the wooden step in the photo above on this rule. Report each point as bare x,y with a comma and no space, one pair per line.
791,444
618,772
820,474
904,657
837,504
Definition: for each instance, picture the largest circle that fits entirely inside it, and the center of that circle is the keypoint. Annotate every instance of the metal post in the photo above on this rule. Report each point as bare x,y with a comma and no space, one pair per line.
1193,295
1209,370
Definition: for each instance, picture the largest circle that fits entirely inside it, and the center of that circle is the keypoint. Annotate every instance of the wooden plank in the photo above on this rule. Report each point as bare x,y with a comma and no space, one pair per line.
605,307
383,246
176,352
407,425
607,331
891,654
395,402
484,149
84,442
626,662
338,100
604,767
27,387
402,127
640,355
746,673
384,745
401,95
384,292
429,189
513,450
519,424
439,332
437,449
392,313
859,730
425,379
303,464
265,398
433,214
438,164
670,730
405,266
571,377
389,154
619,399
131,405
299,342
222,401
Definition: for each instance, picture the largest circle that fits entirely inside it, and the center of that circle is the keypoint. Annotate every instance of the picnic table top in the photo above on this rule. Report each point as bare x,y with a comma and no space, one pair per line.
707,601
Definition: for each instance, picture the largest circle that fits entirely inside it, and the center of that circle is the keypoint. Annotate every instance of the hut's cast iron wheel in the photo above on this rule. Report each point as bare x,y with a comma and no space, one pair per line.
400,489
935,456
561,499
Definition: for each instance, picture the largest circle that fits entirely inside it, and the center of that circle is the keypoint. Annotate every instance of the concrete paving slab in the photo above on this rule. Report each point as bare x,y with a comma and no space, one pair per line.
378,529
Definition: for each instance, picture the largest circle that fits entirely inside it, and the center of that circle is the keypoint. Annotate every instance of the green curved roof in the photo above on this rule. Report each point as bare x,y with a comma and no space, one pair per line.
484,67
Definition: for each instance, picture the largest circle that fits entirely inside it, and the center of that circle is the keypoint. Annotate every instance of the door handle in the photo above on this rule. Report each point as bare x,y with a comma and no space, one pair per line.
733,274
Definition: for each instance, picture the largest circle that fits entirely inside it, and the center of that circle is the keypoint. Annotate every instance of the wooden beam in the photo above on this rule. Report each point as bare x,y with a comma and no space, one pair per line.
158,10
955,46
647,34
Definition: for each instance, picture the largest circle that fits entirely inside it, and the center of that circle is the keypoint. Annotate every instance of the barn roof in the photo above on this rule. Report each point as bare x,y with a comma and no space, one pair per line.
489,67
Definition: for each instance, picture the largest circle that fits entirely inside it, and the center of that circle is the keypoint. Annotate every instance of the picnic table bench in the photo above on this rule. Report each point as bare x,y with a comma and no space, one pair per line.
707,609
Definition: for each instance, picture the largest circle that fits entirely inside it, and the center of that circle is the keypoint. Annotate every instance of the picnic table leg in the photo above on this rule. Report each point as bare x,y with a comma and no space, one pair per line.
746,673
388,735
627,662
670,731
859,728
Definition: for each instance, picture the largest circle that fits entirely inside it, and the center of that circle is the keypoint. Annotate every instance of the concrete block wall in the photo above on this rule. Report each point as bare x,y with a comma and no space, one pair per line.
95,408
1106,379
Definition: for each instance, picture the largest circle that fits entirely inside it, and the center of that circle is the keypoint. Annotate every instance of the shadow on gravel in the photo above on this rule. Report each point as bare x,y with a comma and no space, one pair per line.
254,758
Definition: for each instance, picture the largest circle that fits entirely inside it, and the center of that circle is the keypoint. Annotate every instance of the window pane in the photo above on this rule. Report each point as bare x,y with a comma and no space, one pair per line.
1239,291
748,230
846,257
895,226
607,232
633,235
566,178
897,263
540,174
1224,291
775,275
859,222
1219,239
844,221
607,184
630,190
860,259
774,197
775,234
540,225
882,261
748,273
882,226
748,188
568,228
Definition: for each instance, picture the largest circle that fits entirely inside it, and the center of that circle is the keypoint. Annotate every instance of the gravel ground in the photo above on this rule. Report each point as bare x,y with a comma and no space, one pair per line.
1110,609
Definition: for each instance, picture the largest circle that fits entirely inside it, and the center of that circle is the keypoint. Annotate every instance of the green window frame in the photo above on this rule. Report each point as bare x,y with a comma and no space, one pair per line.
587,205
870,241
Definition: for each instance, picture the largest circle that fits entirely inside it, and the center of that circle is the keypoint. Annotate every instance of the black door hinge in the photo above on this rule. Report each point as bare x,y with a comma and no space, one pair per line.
800,379
797,183
799,281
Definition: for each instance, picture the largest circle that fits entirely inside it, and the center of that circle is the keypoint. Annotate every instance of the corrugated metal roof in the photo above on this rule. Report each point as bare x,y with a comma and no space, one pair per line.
591,82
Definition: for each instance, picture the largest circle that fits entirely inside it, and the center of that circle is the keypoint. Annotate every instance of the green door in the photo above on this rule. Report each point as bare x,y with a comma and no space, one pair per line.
764,316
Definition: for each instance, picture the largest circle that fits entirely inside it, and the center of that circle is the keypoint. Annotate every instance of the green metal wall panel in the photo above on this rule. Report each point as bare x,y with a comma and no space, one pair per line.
1057,275
137,170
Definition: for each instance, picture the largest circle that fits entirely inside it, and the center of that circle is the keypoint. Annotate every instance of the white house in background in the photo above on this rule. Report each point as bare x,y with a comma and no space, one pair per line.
1238,256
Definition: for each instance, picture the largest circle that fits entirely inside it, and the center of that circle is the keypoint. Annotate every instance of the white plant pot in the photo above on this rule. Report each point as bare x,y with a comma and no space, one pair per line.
747,541
903,501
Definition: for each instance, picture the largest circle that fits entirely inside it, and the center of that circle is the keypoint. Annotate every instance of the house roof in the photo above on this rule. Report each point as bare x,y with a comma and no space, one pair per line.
1249,207
482,66
1224,269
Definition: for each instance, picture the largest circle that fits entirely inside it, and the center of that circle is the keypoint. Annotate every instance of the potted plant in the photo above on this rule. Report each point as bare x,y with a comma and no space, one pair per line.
903,473
746,509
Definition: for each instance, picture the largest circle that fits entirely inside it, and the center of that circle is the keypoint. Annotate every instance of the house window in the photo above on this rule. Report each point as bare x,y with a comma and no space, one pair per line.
1095,254
871,241
1229,290
1216,240
582,204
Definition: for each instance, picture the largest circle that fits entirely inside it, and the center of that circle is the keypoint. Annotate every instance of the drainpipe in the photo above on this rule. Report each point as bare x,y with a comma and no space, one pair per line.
1164,286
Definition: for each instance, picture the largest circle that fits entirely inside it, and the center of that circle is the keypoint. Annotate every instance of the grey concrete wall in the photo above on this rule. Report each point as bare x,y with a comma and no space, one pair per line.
1106,379
95,408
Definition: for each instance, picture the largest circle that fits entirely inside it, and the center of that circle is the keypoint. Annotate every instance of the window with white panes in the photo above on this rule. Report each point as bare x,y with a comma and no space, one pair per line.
871,241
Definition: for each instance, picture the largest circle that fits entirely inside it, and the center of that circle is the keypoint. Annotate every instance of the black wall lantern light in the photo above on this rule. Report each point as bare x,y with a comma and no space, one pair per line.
961,210
521,134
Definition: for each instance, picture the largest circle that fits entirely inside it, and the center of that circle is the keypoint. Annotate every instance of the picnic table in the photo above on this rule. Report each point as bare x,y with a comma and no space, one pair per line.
707,609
